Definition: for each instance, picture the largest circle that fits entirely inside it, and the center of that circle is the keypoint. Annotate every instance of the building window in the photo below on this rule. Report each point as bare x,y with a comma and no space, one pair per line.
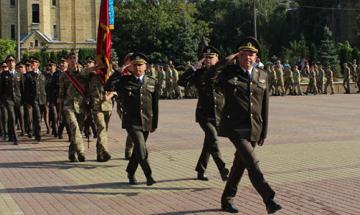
53,2
35,13
31,44
12,32
12,3
55,31
36,43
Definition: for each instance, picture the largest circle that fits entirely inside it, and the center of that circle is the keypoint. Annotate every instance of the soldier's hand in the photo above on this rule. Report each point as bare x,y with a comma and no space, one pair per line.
231,57
199,64
261,142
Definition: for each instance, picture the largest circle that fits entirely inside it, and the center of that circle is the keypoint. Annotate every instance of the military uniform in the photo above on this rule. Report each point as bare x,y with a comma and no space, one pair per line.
52,93
74,106
289,80
208,113
297,80
329,80
346,81
320,79
101,111
34,96
140,115
245,122
11,88
312,86
272,78
280,88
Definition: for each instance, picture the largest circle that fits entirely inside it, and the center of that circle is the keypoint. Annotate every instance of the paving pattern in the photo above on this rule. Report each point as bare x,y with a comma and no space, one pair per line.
311,158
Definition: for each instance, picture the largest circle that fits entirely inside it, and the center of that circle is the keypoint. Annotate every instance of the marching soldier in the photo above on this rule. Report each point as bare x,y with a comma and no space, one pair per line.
11,91
34,96
354,68
312,86
4,112
346,81
320,77
289,80
272,77
297,80
208,110
101,107
139,95
61,116
52,93
244,121
279,69
19,108
358,78
329,79
73,102
175,78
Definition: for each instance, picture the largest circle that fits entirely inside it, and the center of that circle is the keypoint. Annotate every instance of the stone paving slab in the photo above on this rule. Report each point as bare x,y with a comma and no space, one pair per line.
311,158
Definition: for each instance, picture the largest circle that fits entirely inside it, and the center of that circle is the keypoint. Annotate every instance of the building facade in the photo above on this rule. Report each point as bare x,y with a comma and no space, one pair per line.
51,25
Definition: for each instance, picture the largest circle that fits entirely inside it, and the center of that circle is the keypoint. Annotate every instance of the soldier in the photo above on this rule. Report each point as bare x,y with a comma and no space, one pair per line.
272,77
358,78
11,87
52,93
139,95
61,116
73,102
101,107
288,79
34,96
312,86
19,108
208,110
320,78
297,80
329,79
279,69
4,112
175,78
244,121
354,68
169,90
162,81
346,82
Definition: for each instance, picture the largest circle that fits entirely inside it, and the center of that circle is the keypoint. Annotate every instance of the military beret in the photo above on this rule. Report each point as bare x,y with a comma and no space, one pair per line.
34,59
139,58
90,59
210,50
10,57
249,44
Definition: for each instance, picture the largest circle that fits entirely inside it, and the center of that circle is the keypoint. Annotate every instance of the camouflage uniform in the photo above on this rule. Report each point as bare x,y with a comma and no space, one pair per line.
320,79
280,89
297,80
329,80
289,81
74,106
312,86
346,82
272,79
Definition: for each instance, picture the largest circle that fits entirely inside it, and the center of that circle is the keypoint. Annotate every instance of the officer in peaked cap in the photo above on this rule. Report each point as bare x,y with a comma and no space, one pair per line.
208,110
139,96
244,121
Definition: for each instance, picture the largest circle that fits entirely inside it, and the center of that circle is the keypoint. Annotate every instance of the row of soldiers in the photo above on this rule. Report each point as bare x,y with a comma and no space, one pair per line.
65,95
285,79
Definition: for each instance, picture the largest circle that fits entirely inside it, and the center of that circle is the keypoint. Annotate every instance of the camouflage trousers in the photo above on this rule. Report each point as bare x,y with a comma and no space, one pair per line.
75,122
102,119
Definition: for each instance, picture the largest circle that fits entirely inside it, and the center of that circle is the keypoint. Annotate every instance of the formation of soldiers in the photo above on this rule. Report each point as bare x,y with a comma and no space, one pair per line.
285,79
63,95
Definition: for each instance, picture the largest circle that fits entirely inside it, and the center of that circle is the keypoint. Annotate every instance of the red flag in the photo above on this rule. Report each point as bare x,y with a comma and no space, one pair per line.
103,47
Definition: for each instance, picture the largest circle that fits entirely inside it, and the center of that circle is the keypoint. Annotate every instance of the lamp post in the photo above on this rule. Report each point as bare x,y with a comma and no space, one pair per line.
18,54
255,25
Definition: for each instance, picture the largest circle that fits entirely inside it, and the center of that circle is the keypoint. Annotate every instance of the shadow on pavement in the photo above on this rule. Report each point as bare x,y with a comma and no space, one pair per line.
203,211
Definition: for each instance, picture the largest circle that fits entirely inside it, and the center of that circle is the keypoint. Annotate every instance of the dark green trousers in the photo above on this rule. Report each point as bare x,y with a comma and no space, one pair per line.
140,153
245,159
10,107
210,147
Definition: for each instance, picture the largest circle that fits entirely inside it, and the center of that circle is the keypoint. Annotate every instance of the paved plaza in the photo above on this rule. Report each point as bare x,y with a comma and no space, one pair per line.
311,158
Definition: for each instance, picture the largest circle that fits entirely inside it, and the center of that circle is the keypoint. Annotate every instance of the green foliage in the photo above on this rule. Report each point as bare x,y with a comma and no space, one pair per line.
356,53
297,50
327,50
164,31
344,51
7,47
84,53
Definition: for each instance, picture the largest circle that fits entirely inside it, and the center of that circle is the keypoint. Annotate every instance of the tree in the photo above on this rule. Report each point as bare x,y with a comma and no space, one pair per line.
327,50
7,47
344,51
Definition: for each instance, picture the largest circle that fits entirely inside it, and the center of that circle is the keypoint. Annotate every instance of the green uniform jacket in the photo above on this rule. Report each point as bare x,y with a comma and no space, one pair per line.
211,100
34,88
245,113
139,102
11,88
69,95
